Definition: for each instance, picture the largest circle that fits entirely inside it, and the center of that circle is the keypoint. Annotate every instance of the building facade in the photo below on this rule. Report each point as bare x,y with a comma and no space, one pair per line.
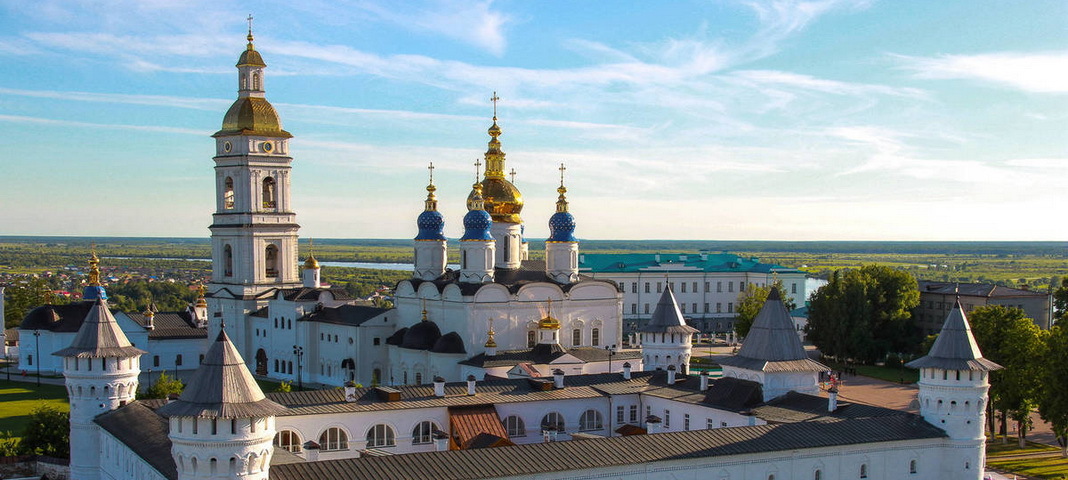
937,299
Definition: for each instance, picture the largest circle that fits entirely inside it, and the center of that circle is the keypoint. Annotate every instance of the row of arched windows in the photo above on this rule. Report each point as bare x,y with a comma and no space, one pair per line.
252,464
270,261
378,436
590,420
269,192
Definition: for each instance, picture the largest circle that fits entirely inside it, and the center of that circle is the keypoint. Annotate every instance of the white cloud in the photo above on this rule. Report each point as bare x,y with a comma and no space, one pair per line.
1030,72
208,104
110,126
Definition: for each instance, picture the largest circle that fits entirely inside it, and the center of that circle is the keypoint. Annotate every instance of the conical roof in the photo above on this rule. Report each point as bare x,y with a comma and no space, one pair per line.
222,388
100,336
773,343
955,347
667,318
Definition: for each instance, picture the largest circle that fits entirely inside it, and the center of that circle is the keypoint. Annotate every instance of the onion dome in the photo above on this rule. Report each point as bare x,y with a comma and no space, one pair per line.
449,343
502,199
201,301
222,388
431,223
562,223
477,222
490,341
397,338
251,114
94,291
549,323
250,57
421,336
311,263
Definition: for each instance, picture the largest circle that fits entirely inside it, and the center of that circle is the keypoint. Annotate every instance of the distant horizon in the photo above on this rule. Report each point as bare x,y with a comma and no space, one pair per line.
789,120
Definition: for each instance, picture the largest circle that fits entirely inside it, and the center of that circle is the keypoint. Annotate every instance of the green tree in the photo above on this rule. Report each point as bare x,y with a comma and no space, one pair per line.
163,387
1053,393
9,444
752,300
1060,301
284,387
864,314
24,296
1007,336
47,433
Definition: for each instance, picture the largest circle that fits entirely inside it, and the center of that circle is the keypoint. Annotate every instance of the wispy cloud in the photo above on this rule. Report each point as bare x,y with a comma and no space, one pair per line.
1031,72
208,104
110,126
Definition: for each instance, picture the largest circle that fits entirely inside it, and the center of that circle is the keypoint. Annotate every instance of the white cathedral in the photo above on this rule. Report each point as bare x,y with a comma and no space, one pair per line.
496,370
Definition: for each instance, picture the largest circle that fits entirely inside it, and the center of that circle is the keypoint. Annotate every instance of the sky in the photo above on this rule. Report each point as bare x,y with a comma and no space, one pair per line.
703,119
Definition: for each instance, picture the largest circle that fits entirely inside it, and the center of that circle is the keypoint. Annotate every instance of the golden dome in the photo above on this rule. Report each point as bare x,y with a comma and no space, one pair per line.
549,323
502,200
252,116
250,57
311,263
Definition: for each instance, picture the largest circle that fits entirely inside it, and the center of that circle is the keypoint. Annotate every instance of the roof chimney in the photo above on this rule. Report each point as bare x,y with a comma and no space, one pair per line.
441,440
311,451
671,375
626,370
832,399
350,391
558,378
439,387
704,380
470,385
652,423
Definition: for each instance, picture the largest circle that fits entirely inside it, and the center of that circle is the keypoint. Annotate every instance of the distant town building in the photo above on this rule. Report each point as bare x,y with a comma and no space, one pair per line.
937,299
705,284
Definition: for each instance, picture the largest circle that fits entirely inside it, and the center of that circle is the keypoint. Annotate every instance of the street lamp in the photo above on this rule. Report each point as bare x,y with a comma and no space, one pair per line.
37,351
611,349
299,352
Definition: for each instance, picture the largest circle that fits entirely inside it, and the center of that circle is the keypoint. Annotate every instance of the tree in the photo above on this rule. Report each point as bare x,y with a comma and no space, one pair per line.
47,433
284,387
164,386
864,314
1007,336
1060,301
23,297
1053,392
752,300
9,444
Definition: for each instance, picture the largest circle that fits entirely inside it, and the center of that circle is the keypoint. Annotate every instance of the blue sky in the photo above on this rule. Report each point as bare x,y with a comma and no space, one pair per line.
714,119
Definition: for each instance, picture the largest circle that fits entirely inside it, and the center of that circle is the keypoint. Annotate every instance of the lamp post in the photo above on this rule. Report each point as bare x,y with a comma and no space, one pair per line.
299,352
37,351
611,349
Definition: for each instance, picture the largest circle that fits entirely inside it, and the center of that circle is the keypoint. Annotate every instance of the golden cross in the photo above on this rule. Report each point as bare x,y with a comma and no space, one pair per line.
250,24
478,167
494,99
431,168
311,246
562,168
512,173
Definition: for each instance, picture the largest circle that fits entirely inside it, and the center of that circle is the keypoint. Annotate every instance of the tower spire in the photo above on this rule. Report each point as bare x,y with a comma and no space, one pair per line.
94,267
561,202
250,31
494,155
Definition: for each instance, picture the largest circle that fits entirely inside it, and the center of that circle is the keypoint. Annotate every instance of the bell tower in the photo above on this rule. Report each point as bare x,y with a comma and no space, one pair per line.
254,229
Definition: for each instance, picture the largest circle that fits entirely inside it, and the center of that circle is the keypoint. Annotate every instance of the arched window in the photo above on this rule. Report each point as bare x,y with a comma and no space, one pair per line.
376,376
381,435
532,339
771,477
423,432
256,81
595,337
863,470
178,360
912,466
590,420
418,378
271,261
576,337
288,440
553,421
228,261
817,475
514,426
270,192
334,439
228,194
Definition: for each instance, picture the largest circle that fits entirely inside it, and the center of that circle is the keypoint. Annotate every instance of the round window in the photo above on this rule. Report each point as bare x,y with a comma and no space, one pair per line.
268,146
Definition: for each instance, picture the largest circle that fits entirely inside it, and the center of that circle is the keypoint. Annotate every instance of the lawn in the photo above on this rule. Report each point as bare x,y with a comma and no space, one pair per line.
890,374
1049,468
19,399
994,448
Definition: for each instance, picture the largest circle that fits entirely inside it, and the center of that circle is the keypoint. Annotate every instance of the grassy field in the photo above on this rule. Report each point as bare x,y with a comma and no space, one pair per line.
907,375
1048,468
18,399
995,448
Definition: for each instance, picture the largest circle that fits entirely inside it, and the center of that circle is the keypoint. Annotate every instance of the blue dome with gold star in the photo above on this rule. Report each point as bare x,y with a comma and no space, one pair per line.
431,225
477,225
562,227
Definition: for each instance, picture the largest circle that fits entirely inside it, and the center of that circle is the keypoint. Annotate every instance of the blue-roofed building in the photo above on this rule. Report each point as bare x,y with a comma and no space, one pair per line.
706,284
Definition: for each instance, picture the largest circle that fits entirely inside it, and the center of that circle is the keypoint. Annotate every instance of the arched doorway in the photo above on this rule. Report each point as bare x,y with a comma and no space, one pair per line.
349,365
261,362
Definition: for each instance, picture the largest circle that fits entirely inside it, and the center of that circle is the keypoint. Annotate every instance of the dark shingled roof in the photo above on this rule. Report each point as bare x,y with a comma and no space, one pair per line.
222,387
955,347
57,318
171,325
546,353
772,344
352,315
100,336
532,459
976,290
529,271
667,318
306,294
144,432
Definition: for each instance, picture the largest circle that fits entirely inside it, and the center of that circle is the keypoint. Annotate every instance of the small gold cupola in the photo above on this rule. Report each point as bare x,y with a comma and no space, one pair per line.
549,322
251,114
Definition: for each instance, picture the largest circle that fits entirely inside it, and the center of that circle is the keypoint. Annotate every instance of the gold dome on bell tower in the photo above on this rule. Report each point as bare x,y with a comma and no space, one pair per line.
502,199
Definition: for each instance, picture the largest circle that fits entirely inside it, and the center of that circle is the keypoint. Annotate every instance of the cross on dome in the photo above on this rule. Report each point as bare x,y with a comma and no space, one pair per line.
431,168
512,174
495,99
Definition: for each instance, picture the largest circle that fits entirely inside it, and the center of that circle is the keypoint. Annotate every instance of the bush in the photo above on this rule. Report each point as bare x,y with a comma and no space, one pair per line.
893,361
284,387
47,433
163,387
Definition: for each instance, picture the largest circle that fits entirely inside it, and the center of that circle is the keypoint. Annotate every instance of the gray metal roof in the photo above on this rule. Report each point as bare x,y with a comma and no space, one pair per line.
100,336
772,344
545,458
170,325
222,388
667,318
955,347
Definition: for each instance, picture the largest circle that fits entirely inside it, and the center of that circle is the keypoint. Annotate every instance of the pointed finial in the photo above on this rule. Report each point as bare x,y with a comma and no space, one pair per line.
478,169
512,174
494,99
956,291
431,168
490,342
94,268
424,310
201,292
222,324
561,201
431,199
250,30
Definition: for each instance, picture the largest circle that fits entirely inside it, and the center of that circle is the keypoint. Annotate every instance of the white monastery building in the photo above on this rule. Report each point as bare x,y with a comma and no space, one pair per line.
496,370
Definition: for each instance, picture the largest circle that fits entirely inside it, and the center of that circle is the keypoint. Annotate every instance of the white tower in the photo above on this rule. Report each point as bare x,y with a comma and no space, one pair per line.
953,387
254,229
222,425
561,249
667,339
430,249
503,201
477,245
101,368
